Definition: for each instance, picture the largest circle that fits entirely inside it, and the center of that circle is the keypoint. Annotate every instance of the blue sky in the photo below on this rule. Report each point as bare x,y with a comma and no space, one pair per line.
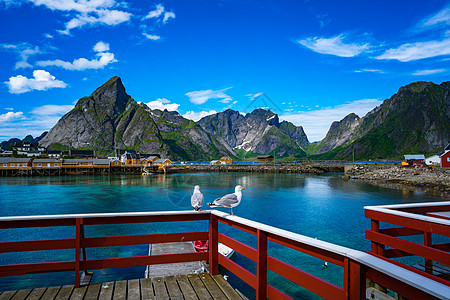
315,61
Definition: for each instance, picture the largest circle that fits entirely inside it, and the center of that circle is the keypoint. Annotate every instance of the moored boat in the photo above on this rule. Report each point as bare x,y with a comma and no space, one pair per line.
202,246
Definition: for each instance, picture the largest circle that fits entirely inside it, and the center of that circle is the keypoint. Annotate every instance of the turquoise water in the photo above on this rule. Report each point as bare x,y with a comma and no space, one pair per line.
320,206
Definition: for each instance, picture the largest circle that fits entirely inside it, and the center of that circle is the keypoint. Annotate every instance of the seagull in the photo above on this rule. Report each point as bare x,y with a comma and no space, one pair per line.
230,200
197,198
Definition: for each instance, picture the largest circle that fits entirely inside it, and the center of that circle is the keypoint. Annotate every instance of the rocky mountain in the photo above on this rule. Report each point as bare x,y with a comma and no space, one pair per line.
415,120
259,132
339,133
28,139
109,119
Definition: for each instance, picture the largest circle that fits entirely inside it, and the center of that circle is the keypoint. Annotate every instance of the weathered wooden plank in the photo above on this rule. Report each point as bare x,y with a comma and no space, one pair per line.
7,295
78,293
241,295
36,294
120,290
172,288
147,289
226,288
92,291
64,293
212,286
134,291
106,291
21,295
199,287
160,288
186,287
51,293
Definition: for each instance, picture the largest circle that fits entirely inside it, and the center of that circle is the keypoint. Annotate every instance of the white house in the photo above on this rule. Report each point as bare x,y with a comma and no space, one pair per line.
433,160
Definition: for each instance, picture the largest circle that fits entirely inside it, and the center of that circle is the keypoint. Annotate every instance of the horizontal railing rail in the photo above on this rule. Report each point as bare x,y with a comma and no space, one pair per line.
357,265
410,219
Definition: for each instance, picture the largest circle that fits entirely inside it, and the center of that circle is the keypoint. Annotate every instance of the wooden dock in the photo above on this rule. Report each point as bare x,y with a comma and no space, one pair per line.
184,268
193,286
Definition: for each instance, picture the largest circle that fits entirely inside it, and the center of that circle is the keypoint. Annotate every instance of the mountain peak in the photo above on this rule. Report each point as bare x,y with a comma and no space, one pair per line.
113,83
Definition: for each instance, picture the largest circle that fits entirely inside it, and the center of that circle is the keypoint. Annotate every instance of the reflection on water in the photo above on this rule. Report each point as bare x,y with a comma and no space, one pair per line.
319,206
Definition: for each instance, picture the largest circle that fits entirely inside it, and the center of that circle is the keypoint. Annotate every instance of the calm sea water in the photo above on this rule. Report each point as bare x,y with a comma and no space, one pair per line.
320,206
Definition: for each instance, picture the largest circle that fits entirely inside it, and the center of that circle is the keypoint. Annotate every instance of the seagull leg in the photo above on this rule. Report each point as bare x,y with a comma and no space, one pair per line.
231,210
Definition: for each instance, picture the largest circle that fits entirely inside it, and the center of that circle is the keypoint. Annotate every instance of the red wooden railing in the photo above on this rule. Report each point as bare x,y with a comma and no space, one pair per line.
357,265
411,219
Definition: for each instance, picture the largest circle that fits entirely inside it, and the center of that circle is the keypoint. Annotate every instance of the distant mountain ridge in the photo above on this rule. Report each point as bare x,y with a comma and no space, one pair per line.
258,132
415,120
28,139
109,118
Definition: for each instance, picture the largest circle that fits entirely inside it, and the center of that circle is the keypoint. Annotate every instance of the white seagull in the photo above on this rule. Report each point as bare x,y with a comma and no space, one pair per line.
230,200
197,199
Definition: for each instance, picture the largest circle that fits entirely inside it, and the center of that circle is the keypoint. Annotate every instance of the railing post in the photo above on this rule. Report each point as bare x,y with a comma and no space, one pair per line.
213,245
427,240
354,280
79,223
261,266
376,247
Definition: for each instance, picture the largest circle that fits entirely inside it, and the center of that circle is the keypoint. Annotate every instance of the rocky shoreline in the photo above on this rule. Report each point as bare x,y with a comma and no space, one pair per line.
429,179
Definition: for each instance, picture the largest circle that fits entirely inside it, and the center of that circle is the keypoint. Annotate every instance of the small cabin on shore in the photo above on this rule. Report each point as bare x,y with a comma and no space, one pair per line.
15,162
226,160
216,162
148,161
434,160
47,163
445,157
265,158
115,162
415,160
163,162
54,153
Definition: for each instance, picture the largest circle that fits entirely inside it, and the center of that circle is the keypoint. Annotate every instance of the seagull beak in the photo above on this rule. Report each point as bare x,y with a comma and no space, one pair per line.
243,188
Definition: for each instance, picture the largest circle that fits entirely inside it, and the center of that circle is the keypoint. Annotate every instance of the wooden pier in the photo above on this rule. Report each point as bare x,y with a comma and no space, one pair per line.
174,269
193,286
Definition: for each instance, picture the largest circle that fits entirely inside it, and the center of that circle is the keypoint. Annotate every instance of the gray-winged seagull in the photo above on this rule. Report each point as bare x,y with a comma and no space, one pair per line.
197,198
230,200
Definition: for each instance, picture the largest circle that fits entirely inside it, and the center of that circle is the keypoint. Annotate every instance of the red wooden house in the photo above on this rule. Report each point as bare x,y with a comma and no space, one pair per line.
445,157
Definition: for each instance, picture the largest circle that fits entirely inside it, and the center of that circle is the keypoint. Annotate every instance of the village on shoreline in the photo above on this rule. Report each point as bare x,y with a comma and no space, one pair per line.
415,172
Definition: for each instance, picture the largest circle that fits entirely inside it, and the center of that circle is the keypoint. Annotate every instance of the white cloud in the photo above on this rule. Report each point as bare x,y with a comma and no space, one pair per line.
428,72
23,51
98,17
52,110
162,104
101,47
151,36
11,116
419,50
316,123
40,119
42,81
167,16
369,71
104,59
85,12
254,96
200,97
195,116
155,13
334,46
442,18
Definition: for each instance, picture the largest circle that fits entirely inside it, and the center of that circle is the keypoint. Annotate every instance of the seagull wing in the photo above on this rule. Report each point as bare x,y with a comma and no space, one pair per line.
197,200
227,200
